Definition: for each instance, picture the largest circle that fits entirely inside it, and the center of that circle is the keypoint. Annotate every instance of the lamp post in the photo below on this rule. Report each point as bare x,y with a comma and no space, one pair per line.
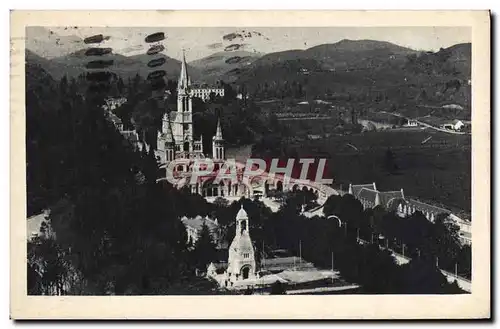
300,252
332,267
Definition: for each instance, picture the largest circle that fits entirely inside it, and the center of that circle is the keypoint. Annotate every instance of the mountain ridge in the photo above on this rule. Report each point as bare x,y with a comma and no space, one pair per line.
75,63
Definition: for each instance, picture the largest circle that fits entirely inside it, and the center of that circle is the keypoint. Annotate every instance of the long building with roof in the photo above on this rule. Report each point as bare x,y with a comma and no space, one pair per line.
195,225
371,197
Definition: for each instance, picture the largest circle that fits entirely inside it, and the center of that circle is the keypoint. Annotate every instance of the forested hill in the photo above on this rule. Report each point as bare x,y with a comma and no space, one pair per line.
364,71
118,231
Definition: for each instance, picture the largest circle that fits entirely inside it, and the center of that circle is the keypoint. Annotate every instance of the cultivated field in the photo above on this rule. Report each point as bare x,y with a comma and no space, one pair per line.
427,164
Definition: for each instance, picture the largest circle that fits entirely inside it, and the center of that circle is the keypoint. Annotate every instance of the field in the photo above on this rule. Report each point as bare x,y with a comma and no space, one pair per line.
427,164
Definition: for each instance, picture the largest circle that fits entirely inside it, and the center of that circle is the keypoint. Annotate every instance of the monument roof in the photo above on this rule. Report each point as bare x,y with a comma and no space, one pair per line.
242,214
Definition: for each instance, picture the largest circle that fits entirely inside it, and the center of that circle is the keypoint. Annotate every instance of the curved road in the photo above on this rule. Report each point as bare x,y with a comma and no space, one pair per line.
426,124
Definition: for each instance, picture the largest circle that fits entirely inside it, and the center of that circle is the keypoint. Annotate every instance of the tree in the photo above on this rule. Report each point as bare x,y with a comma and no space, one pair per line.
278,288
205,249
47,268
445,242
422,277
464,261
390,161
331,205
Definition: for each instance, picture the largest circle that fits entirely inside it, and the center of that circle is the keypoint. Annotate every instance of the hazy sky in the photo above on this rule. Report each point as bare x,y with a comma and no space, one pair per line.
201,42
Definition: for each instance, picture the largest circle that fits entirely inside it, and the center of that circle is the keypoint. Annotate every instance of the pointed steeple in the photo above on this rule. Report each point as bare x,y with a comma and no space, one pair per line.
183,77
218,133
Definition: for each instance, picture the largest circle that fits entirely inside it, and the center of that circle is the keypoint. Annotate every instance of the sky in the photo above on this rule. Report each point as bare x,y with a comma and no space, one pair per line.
202,42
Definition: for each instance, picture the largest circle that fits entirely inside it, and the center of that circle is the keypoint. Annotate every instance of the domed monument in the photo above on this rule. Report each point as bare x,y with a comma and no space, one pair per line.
241,262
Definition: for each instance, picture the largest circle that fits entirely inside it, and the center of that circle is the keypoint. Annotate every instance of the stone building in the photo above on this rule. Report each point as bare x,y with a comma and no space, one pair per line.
176,140
402,206
241,262
370,197
176,144
205,92
194,226
241,265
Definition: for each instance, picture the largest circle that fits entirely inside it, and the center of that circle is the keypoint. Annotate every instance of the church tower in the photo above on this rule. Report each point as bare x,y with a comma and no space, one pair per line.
241,262
183,119
218,152
169,141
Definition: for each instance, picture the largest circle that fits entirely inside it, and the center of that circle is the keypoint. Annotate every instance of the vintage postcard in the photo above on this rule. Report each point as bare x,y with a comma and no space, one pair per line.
250,165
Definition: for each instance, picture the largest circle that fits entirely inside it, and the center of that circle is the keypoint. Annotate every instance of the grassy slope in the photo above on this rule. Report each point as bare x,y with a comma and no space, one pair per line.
439,170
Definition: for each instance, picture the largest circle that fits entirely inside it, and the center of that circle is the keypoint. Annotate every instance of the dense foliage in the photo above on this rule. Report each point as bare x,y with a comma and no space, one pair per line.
241,120
372,267
359,74
118,231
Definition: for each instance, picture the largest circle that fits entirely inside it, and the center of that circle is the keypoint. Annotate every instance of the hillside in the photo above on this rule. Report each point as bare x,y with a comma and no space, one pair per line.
38,80
75,64
54,68
218,64
365,71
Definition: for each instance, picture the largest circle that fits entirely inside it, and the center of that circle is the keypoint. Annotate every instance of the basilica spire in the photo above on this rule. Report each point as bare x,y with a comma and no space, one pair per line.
218,133
183,77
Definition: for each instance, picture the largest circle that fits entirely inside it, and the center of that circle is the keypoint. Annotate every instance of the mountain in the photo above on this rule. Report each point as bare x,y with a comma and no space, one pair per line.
171,66
323,66
56,69
356,53
343,55
367,71
76,63
37,78
461,56
216,65
48,44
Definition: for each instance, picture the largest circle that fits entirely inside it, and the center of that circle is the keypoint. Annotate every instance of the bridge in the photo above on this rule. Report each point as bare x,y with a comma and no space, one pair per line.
245,186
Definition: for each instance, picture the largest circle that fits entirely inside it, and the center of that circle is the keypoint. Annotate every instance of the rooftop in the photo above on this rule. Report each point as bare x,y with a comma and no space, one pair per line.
131,135
357,188
385,197
198,221
367,194
33,224
427,207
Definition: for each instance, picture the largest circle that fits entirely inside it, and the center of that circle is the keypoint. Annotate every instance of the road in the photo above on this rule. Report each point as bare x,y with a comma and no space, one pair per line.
426,124
321,289
463,283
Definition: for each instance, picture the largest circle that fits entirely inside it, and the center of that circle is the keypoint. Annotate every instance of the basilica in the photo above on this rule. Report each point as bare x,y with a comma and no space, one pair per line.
176,140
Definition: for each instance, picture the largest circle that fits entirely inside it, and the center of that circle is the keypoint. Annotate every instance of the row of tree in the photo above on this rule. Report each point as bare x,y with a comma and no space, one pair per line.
414,236
322,240
117,230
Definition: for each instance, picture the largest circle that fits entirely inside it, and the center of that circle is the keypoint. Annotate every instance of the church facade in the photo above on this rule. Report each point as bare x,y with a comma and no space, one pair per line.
176,142
176,139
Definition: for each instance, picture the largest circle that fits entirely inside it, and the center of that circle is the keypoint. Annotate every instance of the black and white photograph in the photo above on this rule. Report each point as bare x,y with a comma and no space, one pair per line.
248,160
